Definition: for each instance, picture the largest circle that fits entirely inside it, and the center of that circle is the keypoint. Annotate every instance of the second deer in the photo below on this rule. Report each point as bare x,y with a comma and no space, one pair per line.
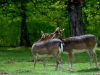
79,43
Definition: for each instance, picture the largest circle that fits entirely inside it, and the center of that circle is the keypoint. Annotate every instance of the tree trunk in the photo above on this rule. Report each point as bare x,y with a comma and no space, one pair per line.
24,39
75,14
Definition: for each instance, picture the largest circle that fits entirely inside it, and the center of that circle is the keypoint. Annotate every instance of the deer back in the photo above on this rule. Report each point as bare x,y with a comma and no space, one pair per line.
46,46
80,42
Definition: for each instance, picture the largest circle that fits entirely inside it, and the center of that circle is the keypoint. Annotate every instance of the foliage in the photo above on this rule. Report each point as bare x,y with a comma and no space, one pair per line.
91,17
43,15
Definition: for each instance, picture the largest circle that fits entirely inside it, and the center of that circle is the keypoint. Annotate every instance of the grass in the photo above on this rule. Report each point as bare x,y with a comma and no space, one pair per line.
16,61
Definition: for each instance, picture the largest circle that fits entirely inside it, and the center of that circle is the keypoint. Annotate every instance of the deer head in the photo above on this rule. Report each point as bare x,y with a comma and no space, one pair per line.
57,33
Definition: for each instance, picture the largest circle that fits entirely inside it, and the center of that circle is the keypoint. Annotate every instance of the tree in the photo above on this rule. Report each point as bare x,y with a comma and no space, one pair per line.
75,13
24,39
22,20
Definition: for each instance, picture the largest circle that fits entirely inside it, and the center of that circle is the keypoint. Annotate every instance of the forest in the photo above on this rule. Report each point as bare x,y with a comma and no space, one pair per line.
21,23
42,15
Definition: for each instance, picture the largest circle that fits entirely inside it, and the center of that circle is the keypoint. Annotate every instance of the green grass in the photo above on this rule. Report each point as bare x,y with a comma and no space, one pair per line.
16,61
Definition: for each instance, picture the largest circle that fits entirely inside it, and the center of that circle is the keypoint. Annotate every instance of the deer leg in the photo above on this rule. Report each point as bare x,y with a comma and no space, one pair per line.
95,58
58,63
56,66
93,55
35,59
44,61
70,58
91,58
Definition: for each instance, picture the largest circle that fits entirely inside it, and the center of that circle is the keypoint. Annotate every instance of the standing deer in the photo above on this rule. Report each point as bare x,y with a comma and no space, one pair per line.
79,43
47,47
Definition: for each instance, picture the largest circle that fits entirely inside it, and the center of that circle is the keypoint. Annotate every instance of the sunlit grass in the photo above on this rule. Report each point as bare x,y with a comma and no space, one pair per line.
17,61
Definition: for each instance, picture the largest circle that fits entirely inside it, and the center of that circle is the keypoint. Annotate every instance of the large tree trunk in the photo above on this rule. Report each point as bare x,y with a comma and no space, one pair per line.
75,14
24,39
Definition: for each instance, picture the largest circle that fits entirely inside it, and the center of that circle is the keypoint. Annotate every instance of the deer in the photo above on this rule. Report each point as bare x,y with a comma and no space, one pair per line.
87,42
56,34
47,47
79,43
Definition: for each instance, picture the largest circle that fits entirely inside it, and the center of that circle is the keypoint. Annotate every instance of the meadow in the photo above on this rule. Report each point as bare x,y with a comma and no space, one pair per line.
19,61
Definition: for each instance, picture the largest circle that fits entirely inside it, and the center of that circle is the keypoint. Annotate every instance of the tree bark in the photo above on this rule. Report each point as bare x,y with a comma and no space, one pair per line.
24,39
75,14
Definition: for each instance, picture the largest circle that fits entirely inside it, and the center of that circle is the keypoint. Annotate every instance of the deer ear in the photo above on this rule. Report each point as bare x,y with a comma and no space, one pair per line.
57,28
42,32
62,30
43,35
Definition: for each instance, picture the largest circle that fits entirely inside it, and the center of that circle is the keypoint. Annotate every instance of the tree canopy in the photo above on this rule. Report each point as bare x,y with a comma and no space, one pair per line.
42,15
